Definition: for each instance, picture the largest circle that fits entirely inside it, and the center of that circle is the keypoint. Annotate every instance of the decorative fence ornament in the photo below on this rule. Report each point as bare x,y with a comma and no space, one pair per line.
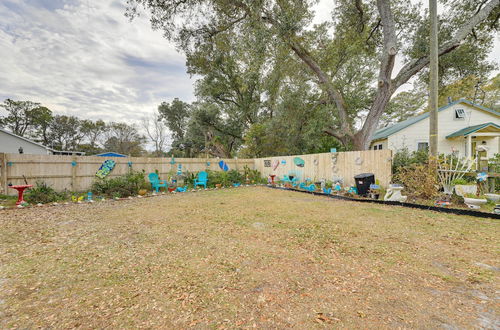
223,166
267,163
105,168
482,176
275,165
73,163
299,162
359,161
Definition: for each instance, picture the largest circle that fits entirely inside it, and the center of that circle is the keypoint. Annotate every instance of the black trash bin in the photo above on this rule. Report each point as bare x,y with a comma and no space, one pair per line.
363,182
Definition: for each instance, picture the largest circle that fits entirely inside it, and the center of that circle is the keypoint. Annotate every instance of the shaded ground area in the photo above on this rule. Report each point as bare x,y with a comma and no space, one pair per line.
246,257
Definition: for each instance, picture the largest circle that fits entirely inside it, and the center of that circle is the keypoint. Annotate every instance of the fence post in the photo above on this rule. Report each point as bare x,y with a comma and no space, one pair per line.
74,164
3,173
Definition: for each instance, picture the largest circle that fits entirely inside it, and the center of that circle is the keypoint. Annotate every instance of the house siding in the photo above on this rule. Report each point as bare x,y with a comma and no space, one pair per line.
10,144
410,136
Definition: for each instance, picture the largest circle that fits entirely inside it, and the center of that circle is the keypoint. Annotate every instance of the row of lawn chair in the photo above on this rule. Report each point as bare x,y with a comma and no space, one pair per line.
156,183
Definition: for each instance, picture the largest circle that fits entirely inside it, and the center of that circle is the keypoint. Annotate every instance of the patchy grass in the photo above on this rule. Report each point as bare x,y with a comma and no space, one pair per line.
243,258
7,201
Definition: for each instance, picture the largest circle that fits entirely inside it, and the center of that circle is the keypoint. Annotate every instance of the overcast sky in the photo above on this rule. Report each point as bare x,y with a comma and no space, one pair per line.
84,58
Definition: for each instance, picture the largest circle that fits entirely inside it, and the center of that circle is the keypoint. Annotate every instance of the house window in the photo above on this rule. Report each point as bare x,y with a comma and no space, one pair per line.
379,147
375,147
423,146
459,114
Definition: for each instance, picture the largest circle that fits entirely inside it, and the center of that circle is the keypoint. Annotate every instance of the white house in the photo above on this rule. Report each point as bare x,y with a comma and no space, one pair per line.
463,126
11,143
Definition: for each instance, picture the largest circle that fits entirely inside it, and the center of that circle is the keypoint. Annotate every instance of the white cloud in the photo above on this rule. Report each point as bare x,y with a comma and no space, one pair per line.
85,58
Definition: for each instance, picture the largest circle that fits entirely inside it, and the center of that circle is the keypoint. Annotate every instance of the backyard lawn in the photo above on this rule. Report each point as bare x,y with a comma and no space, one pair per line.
246,257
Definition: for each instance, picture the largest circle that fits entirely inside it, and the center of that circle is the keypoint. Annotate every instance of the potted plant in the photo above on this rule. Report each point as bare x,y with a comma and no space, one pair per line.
474,201
463,187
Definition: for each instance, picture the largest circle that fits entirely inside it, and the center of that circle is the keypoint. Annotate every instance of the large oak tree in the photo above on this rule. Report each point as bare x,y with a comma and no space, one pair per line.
364,36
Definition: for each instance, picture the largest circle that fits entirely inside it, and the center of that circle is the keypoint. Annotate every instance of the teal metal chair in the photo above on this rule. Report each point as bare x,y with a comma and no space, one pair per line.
156,183
201,180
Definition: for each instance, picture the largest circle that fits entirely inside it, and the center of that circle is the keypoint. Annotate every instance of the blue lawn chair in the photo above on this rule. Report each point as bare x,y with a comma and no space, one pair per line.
201,180
156,183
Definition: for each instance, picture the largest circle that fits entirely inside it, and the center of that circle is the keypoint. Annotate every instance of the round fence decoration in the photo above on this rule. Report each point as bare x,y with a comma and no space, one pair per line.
172,161
359,161
129,164
283,162
73,163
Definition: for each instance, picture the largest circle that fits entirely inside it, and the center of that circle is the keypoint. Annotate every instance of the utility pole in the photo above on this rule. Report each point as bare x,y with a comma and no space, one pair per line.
433,81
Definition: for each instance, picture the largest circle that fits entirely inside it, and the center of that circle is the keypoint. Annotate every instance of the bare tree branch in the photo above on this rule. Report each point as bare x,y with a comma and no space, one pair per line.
414,66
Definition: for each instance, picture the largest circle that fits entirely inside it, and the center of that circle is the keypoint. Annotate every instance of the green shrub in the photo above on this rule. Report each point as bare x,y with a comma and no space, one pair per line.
121,186
253,176
403,158
460,181
235,176
43,193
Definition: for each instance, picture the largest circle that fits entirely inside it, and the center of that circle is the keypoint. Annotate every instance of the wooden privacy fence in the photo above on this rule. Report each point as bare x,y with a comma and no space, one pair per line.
332,166
76,173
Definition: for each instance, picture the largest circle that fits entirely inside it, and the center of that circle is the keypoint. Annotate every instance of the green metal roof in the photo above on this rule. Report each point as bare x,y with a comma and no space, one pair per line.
471,129
385,132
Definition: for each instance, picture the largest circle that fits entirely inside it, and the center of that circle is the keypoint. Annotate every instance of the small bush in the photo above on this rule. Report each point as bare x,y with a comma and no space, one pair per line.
122,186
419,180
235,176
253,176
403,158
43,193
460,181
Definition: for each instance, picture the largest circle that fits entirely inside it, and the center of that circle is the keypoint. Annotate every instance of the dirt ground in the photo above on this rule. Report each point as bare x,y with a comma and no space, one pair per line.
243,258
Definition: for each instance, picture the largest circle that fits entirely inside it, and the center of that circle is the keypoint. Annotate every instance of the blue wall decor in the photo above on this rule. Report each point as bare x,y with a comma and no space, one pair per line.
73,163
10,163
299,161
172,161
129,164
223,166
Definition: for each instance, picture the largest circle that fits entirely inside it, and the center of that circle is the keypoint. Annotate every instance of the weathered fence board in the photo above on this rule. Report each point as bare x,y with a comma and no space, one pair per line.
331,166
60,174
76,173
